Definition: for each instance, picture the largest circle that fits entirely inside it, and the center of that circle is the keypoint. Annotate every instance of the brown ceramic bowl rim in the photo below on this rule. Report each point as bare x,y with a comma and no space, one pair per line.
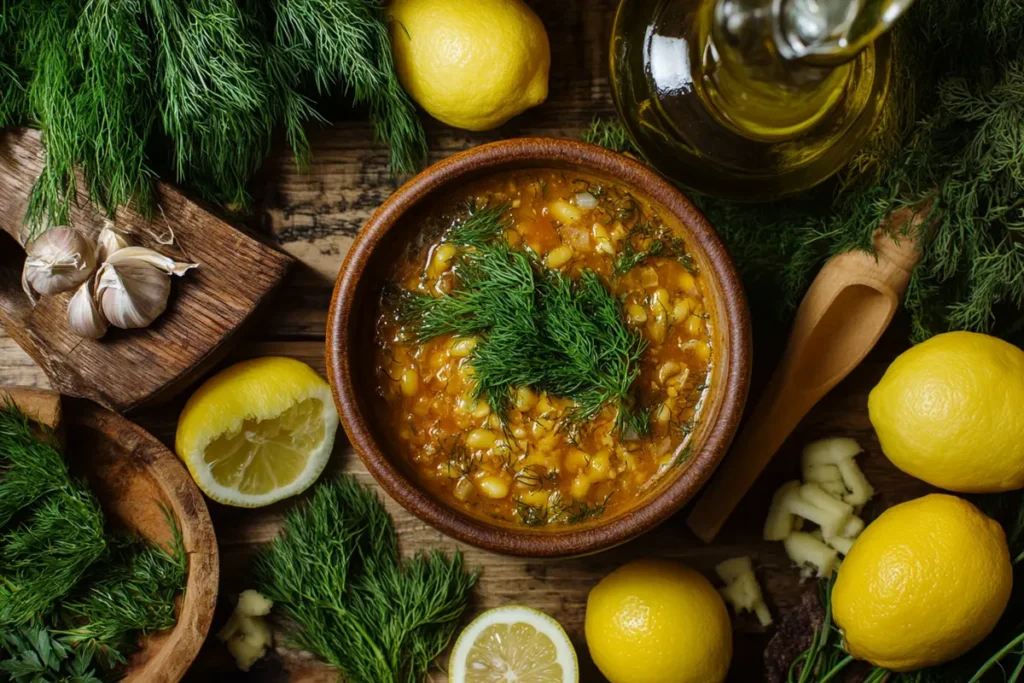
496,157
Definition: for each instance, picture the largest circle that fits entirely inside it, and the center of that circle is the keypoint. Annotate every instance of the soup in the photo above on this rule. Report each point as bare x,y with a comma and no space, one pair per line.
543,349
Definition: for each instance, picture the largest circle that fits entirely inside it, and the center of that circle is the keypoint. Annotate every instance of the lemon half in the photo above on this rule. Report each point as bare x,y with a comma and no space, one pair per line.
257,432
513,643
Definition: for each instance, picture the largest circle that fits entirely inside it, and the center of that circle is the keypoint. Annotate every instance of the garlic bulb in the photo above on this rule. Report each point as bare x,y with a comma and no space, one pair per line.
84,317
59,260
110,240
134,284
132,295
152,258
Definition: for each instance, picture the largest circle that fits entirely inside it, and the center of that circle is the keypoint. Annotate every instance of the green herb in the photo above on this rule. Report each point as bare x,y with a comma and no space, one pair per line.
109,81
335,573
131,591
72,598
40,656
643,241
558,511
43,557
949,146
537,327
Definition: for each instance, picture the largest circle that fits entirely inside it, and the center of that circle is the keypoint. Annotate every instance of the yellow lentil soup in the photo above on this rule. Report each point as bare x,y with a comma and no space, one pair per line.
533,456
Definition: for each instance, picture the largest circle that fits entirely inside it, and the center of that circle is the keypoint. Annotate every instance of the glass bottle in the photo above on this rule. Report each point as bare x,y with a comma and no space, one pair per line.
751,99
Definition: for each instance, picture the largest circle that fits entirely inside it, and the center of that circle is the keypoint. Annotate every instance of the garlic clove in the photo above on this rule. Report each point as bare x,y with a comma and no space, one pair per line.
151,258
59,260
132,294
84,316
110,240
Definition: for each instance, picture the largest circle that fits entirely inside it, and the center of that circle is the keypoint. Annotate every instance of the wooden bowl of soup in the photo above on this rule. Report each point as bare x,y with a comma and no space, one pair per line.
540,347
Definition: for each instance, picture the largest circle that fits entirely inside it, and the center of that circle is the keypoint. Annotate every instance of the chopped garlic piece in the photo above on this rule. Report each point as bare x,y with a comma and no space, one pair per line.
730,570
820,474
252,604
830,452
809,552
853,527
818,497
246,633
742,590
779,523
860,488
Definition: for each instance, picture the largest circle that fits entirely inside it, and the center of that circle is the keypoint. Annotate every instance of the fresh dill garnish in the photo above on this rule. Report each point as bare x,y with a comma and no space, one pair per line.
46,554
335,574
644,241
537,327
72,597
109,82
558,511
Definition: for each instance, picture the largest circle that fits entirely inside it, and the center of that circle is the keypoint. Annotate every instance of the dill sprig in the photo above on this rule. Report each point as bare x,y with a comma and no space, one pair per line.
72,597
44,556
131,591
123,89
537,327
335,574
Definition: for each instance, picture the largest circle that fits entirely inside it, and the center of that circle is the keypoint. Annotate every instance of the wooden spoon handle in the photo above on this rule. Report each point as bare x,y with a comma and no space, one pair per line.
846,310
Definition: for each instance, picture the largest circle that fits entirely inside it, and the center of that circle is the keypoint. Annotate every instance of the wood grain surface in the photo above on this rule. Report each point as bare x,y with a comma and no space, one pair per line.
314,215
208,306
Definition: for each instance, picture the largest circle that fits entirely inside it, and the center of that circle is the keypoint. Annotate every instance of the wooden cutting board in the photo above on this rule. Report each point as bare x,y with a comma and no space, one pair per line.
129,368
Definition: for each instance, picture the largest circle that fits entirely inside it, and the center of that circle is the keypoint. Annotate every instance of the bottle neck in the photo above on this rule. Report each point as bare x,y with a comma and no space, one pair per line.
753,79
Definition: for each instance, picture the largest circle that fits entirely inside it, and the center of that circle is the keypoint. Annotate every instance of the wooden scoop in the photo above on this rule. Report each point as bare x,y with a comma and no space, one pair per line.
846,310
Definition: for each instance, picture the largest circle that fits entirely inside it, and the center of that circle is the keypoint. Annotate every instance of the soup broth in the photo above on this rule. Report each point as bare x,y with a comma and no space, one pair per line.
546,460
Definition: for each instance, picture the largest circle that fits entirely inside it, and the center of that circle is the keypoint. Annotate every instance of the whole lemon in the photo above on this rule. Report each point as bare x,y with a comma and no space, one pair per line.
472,64
654,621
950,411
923,584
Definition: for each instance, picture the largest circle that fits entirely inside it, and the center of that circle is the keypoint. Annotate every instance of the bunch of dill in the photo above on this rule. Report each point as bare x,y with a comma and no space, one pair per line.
537,327
73,598
124,89
335,574
951,143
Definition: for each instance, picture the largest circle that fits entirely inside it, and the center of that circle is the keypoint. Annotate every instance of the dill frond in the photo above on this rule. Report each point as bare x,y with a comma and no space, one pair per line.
44,556
537,327
130,591
335,573
72,598
610,134
115,105
347,43
214,97
30,465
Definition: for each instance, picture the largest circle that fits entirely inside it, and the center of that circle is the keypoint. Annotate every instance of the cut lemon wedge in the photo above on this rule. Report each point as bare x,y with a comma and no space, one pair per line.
258,431
513,643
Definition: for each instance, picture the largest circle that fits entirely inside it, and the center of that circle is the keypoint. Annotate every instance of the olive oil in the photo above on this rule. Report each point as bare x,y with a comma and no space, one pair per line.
751,99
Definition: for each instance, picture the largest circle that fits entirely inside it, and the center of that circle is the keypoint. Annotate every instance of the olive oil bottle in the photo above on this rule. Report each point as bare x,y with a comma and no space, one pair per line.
751,99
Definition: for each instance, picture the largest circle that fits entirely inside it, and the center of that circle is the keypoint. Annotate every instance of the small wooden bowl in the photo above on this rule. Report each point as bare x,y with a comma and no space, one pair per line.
355,305
132,473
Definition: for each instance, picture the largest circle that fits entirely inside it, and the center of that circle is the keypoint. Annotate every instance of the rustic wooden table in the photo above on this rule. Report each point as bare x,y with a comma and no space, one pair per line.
314,215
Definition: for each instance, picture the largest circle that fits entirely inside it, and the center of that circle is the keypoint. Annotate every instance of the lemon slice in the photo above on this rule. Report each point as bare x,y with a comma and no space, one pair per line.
513,643
258,431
